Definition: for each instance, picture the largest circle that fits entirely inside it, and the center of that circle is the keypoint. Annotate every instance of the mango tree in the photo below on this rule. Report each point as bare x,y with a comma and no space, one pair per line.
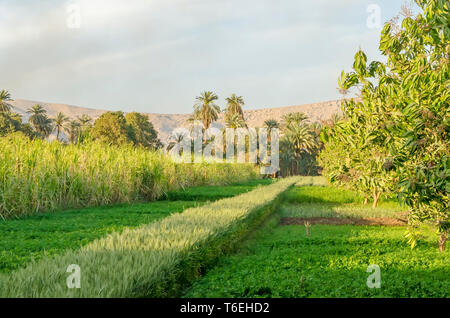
408,98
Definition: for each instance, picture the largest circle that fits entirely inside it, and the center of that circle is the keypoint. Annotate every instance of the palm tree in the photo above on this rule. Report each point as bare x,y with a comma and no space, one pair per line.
59,120
84,120
5,97
194,123
301,138
205,109
235,121
46,128
271,124
39,120
287,158
294,119
234,106
72,128
38,114
175,138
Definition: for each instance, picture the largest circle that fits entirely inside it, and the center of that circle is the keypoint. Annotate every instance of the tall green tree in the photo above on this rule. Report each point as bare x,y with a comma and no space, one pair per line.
235,121
205,108
40,121
298,145
404,115
59,121
271,124
5,97
72,128
293,120
112,128
234,107
85,127
145,134
9,123
84,120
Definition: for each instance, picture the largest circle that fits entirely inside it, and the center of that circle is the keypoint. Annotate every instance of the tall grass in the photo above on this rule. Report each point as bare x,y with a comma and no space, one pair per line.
40,176
154,260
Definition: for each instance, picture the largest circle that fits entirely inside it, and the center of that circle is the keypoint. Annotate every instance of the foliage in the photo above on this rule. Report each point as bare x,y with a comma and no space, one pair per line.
112,128
153,260
145,134
59,120
205,108
349,158
234,110
403,117
235,121
41,123
299,145
9,123
271,124
37,176
72,128
5,97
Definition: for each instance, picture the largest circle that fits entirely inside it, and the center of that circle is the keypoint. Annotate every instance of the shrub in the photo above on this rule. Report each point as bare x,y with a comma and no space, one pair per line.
403,115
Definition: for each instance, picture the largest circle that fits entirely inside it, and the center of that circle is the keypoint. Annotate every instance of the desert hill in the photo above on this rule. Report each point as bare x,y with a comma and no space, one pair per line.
166,123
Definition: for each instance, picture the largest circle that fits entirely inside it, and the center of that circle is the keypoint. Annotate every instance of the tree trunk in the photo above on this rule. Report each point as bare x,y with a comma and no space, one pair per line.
366,199
376,197
442,239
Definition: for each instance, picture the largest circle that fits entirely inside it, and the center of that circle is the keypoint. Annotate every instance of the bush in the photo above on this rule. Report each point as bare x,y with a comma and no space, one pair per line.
403,117
155,260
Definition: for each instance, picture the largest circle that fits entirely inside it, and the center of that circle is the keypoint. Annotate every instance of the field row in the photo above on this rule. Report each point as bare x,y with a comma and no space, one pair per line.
156,259
50,234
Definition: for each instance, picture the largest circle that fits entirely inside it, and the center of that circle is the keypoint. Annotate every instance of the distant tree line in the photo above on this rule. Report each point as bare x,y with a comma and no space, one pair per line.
114,128
299,139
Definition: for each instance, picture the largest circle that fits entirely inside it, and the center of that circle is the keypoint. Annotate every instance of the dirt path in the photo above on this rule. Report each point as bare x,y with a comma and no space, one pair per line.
344,221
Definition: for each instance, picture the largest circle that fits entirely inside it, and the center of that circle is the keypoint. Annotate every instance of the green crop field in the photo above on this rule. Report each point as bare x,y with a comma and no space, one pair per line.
332,262
50,234
319,201
283,261
254,256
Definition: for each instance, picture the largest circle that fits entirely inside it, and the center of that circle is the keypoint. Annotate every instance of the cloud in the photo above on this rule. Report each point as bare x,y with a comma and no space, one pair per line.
157,55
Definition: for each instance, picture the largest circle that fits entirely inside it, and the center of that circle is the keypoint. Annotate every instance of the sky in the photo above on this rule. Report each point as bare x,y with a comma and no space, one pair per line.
156,56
